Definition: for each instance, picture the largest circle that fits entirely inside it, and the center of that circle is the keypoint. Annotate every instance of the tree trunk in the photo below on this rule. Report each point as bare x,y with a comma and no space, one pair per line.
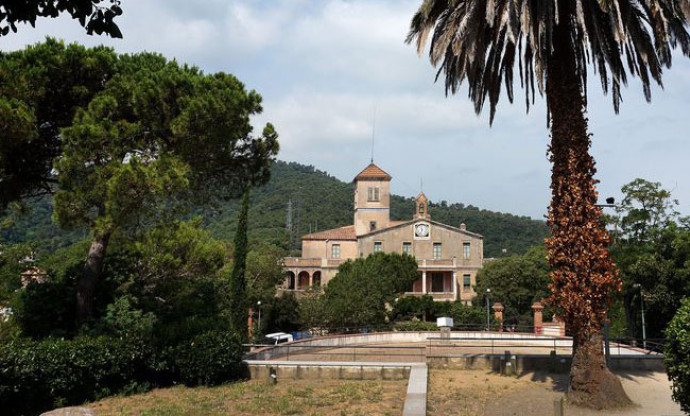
591,382
582,272
90,276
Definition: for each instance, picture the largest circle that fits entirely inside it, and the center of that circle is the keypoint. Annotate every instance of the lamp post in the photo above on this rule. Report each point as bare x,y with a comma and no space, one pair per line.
610,203
488,317
258,307
644,330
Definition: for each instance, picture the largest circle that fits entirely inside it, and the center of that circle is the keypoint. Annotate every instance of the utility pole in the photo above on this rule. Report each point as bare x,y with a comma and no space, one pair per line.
488,316
288,222
644,329
299,216
288,217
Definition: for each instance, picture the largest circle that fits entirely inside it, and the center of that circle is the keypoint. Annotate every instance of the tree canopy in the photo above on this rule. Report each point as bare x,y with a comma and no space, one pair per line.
516,282
41,89
358,294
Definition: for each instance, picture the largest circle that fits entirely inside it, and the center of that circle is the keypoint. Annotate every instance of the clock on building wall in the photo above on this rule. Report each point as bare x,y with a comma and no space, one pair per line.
421,230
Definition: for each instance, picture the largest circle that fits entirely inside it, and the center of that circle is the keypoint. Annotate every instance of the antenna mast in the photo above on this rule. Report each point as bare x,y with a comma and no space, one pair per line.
373,135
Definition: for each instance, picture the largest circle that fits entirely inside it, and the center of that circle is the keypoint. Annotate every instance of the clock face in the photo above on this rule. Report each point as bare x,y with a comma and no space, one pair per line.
421,230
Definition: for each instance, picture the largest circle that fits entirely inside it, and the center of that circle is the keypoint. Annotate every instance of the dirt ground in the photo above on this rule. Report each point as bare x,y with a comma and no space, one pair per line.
254,397
481,393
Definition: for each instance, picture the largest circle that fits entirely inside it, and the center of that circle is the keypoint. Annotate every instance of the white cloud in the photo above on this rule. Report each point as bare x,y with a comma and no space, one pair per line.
322,66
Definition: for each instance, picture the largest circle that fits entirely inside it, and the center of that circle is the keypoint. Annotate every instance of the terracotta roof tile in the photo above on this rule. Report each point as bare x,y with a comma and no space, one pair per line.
342,233
372,172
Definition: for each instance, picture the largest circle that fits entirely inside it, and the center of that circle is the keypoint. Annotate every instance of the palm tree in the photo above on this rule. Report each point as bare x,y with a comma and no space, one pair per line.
554,42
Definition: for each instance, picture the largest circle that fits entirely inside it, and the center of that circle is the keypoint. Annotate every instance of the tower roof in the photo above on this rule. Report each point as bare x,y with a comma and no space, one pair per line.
372,172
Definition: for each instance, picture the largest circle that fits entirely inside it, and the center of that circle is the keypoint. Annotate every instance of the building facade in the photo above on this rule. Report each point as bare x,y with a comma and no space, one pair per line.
448,257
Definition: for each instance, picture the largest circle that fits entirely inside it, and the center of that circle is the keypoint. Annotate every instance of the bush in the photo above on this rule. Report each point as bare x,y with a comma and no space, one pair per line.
469,316
415,326
210,358
37,376
409,307
41,375
677,355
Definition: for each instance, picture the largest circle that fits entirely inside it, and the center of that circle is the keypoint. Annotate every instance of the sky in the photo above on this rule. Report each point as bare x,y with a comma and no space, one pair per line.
334,73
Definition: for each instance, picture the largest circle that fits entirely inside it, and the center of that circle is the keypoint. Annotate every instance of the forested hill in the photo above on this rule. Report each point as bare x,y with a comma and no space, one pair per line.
319,201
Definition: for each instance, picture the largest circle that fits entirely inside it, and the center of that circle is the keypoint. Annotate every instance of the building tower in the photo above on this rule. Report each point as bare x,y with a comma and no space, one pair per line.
372,200
422,207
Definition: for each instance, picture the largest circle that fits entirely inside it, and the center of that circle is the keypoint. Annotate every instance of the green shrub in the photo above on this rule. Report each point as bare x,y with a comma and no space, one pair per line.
677,355
41,375
209,358
415,326
409,307
37,376
469,316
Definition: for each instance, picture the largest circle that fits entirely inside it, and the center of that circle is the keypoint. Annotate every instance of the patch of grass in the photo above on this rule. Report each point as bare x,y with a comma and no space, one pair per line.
258,397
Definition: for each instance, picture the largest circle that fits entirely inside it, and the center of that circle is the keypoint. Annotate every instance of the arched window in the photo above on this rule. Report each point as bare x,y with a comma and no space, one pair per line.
421,208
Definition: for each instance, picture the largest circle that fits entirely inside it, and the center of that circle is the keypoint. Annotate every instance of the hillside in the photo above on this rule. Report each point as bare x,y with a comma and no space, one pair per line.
319,201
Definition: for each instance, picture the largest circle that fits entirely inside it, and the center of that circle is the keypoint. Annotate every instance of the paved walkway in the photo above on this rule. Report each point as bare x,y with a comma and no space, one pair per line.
415,401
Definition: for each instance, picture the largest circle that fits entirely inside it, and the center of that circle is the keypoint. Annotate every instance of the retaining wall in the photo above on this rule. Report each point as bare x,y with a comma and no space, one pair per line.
543,363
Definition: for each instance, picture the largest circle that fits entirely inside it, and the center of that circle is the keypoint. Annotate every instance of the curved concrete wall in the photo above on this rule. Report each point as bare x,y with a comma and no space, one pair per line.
402,337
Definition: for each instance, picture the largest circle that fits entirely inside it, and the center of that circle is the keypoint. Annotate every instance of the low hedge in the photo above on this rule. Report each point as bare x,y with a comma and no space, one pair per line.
40,375
415,326
210,358
677,355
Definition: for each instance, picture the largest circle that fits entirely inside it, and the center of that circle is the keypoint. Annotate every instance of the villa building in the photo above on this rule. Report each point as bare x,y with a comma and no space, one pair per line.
448,257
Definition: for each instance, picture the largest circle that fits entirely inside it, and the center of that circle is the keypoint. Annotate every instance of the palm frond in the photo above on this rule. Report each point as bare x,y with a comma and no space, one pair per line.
483,41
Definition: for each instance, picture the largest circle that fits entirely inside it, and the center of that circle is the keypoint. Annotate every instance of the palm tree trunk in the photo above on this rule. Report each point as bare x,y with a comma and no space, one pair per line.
86,285
583,272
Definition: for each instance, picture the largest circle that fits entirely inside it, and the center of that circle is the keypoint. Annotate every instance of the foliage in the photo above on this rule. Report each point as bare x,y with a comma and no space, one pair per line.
652,251
359,292
41,89
133,144
469,316
420,307
91,14
415,326
677,355
47,309
480,41
646,208
125,322
516,282
317,200
12,264
312,311
413,307
238,282
281,314
38,376
264,272
209,358
180,249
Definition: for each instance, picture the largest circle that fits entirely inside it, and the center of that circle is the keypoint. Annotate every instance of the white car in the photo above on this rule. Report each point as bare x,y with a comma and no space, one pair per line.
277,338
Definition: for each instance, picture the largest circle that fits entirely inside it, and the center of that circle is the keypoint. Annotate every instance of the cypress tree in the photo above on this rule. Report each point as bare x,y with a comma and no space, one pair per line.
238,283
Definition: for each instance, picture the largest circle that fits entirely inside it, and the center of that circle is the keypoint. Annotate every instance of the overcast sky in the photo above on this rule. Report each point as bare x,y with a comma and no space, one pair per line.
324,66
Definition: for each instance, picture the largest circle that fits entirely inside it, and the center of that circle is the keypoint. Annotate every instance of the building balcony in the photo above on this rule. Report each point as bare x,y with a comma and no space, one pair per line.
300,262
453,263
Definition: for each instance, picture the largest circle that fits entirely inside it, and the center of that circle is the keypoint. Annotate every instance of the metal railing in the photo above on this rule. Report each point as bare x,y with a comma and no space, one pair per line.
348,353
